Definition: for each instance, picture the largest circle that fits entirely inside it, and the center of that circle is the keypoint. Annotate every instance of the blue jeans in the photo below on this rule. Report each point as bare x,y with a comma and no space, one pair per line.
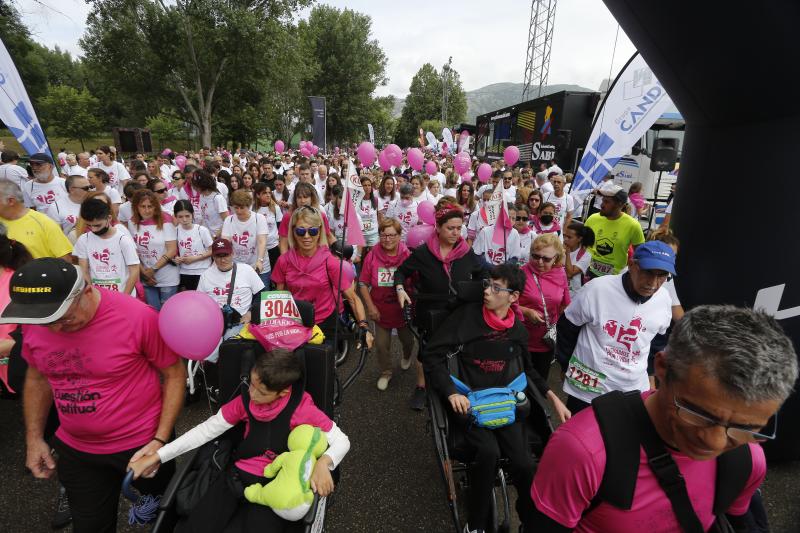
265,278
156,296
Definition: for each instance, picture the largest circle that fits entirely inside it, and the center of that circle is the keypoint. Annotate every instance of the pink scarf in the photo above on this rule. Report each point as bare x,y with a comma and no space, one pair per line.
315,261
497,323
555,228
460,249
390,261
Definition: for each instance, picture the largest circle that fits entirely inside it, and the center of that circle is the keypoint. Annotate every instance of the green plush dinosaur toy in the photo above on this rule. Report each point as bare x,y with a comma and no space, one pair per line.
289,494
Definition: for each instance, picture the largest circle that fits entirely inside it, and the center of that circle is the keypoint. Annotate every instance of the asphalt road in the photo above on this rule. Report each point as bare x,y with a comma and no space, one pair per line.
390,480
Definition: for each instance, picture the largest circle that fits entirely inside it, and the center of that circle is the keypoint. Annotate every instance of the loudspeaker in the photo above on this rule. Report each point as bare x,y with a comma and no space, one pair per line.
132,140
665,154
147,143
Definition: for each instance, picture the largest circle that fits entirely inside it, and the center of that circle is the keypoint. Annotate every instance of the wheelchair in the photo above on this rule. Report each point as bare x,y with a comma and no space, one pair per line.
237,357
454,454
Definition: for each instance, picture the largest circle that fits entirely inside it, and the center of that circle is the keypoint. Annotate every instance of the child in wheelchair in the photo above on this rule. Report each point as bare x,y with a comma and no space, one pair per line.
273,405
486,347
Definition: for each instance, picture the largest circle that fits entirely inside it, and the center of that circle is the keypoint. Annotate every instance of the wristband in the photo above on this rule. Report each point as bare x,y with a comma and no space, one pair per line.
363,323
160,440
399,288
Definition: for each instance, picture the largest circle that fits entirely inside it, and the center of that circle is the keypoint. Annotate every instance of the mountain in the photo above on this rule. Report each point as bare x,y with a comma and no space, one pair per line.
495,96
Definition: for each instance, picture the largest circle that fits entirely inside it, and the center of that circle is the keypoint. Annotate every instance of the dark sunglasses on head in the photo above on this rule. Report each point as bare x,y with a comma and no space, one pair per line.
301,232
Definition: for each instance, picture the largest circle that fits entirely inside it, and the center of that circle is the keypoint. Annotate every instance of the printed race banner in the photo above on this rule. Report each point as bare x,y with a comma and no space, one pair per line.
319,121
634,102
16,111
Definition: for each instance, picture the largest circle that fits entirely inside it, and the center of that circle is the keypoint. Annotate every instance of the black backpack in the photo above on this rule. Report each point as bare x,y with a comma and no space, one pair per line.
625,426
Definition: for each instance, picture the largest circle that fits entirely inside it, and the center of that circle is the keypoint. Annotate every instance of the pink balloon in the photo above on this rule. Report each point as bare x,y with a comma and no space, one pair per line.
416,159
426,212
191,324
180,161
279,146
394,155
511,155
383,161
335,149
304,152
430,168
484,172
314,149
461,163
366,153
418,235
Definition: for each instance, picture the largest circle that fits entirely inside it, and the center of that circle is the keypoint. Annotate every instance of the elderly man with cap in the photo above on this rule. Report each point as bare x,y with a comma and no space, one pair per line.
45,189
614,232
40,235
604,335
117,387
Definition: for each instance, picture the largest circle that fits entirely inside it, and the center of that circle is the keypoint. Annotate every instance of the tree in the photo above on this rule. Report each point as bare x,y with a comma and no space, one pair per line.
349,67
154,54
165,128
69,112
20,47
382,120
424,102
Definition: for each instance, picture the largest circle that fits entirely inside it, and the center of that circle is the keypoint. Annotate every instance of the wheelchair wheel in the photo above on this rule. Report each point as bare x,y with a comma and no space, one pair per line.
500,508
343,346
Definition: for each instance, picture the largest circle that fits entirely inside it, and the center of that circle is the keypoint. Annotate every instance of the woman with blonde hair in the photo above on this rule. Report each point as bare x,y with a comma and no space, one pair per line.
545,296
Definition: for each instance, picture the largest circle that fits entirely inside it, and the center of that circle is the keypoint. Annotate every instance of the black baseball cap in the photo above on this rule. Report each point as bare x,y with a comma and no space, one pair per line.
41,291
40,158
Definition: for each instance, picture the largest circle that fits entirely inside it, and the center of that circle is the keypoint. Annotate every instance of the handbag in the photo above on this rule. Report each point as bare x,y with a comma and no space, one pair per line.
549,337
494,407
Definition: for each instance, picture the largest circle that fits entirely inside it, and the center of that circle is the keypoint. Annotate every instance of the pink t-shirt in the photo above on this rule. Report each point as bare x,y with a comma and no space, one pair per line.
306,278
283,229
5,329
104,377
571,470
556,293
305,413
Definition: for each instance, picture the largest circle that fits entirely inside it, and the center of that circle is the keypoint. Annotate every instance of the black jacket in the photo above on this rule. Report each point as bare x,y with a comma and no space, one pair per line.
487,358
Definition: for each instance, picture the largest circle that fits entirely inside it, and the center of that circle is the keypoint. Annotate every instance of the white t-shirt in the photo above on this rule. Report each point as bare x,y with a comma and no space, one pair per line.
223,190
576,281
337,224
546,187
68,213
15,173
77,170
117,174
43,196
495,254
113,195
510,194
525,241
210,207
243,235
564,206
192,243
125,213
614,340
108,259
217,284
369,218
151,245
167,171
273,217
407,216
476,224
440,178
385,202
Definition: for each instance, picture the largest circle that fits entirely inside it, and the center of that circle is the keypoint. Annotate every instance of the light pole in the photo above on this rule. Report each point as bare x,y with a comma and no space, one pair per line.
445,80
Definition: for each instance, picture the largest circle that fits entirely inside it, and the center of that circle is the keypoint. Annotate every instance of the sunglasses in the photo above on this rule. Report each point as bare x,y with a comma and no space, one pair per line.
160,191
521,219
544,258
301,232
86,188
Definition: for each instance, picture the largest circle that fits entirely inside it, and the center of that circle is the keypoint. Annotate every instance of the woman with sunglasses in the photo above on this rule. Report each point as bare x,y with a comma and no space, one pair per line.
545,282
161,190
305,195
178,181
312,273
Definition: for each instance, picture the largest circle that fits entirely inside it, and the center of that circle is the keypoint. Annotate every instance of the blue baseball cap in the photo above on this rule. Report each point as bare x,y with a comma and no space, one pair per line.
655,255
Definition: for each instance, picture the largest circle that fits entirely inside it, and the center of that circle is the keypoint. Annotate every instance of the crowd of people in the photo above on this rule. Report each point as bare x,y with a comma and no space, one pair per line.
573,282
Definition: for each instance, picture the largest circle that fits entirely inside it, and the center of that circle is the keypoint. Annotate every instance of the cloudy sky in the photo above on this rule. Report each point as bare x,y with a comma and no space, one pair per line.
486,38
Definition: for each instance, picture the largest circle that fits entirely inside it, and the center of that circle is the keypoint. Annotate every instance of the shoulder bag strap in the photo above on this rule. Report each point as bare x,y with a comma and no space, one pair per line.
233,284
666,471
544,303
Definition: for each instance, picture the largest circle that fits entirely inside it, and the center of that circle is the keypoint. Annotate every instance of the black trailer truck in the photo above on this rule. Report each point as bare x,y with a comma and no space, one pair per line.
555,126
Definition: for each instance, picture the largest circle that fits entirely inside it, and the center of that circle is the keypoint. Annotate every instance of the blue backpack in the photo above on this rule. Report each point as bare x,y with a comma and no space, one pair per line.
494,407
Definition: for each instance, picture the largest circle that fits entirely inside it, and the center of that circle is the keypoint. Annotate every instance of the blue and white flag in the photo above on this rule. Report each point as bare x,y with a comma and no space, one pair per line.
16,111
634,102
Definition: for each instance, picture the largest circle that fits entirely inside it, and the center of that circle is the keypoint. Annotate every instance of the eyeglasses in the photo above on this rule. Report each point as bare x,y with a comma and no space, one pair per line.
521,219
496,289
86,188
301,232
388,235
544,258
160,191
735,432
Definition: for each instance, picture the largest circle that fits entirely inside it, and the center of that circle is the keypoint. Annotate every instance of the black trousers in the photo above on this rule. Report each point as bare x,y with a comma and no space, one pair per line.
490,445
189,282
223,508
274,254
542,362
575,405
93,483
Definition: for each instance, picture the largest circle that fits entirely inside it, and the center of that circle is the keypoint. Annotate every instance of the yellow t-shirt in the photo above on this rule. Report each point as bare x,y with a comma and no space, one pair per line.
611,241
40,235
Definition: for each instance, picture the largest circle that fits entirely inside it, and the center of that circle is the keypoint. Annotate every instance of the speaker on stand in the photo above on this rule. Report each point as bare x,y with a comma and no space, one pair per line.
663,158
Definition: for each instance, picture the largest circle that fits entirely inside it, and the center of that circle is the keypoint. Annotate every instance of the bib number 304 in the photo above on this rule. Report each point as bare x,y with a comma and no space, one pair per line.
584,378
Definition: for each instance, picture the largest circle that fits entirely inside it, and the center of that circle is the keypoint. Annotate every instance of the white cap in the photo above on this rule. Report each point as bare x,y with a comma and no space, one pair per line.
609,188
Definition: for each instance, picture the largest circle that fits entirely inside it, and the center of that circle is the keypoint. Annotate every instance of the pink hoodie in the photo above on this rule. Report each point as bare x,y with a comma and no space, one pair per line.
556,294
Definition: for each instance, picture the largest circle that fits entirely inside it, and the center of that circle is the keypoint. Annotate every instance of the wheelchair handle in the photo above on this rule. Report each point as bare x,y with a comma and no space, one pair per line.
127,487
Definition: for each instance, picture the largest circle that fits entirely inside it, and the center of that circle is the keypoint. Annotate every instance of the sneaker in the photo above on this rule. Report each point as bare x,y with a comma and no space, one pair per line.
405,364
468,530
417,402
383,381
62,516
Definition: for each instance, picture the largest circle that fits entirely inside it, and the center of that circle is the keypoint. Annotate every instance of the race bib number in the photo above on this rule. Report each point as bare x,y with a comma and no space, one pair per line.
601,268
584,378
386,276
279,304
108,284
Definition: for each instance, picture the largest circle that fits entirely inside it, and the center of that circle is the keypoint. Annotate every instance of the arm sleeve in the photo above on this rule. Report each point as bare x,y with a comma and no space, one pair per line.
566,339
57,243
80,251
226,228
195,437
261,225
406,269
128,251
338,445
153,347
